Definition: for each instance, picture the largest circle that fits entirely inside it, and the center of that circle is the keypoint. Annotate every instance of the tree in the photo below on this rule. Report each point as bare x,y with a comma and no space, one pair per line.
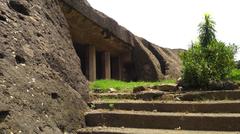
208,59
207,31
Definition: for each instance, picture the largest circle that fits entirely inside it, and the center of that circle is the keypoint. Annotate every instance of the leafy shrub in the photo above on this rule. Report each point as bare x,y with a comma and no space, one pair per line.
235,74
205,64
194,67
208,59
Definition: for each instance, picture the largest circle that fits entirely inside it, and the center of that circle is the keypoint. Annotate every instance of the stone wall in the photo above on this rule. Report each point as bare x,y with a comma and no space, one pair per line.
42,89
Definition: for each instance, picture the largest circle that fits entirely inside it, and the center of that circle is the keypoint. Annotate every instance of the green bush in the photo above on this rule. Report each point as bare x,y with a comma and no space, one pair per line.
194,67
211,61
205,64
235,74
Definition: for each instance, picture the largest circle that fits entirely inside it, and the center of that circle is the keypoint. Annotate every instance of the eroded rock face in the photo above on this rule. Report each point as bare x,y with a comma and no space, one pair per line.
146,64
40,77
169,59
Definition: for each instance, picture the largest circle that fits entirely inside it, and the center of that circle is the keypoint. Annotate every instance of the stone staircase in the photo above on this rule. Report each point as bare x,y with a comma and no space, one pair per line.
163,117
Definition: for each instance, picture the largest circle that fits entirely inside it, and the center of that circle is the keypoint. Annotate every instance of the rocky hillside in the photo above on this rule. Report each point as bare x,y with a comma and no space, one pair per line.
42,89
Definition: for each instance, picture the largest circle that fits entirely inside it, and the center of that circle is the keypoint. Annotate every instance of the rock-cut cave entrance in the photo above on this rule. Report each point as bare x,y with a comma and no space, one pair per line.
103,55
97,64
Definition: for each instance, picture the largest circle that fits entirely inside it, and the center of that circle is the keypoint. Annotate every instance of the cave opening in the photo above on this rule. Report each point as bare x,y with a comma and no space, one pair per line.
81,51
96,64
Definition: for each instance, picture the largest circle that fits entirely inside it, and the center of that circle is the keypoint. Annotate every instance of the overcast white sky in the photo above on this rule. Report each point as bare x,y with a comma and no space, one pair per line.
174,23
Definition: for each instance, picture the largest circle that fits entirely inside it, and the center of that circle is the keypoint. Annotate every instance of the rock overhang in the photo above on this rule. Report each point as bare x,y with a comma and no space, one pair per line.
89,26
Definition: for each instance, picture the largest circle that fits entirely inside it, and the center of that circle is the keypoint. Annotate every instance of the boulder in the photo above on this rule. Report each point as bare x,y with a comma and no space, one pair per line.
139,89
40,77
166,87
149,95
169,97
112,90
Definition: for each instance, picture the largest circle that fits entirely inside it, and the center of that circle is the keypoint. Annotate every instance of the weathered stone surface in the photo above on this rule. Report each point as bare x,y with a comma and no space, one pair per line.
158,120
149,95
211,95
166,87
101,19
172,106
4,107
112,90
222,85
169,97
40,77
97,96
89,26
139,89
170,63
146,64
121,130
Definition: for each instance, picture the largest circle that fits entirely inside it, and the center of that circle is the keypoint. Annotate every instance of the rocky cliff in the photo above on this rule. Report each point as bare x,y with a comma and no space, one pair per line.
42,89
151,62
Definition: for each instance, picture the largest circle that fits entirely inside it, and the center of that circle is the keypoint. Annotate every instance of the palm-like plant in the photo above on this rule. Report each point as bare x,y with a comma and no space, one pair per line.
207,31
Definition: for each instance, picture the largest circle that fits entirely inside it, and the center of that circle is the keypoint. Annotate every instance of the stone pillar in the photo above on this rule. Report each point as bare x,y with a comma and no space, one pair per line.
119,68
106,62
91,63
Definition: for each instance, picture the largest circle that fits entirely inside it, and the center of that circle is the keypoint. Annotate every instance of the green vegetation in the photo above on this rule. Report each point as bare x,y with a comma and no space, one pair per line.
122,86
207,31
208,59
235,75
238,64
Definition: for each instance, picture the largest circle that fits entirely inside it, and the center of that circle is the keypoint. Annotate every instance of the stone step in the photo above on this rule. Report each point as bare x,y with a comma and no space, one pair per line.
171,106
96,96
155,120
184,96
211,95
112,130
147,96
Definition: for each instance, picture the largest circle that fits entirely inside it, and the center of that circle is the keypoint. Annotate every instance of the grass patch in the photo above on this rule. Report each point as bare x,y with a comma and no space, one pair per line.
122,86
